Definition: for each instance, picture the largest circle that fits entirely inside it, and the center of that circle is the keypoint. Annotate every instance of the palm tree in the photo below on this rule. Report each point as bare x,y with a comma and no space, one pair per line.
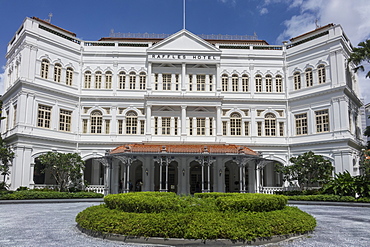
361,54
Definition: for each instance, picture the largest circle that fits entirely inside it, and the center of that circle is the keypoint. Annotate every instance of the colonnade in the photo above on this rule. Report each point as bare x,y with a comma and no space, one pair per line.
246,171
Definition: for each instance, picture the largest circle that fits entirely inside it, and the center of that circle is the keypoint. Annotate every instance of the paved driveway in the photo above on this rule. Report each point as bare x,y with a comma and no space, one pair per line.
53,225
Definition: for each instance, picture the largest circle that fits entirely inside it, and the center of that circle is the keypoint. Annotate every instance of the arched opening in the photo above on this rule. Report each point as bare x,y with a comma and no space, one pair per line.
94,172
195,177
232,177
272,178
172,182
201,181
137,176
42,176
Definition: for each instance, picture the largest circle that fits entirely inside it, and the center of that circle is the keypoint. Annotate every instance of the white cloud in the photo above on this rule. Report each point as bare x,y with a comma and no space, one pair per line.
264,11
353,17
232,2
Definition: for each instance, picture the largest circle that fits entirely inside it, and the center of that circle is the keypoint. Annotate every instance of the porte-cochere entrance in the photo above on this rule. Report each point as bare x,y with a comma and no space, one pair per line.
183,169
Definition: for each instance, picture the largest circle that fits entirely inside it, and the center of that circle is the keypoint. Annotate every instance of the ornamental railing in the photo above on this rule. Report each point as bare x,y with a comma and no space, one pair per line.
271,190
95,188
164,35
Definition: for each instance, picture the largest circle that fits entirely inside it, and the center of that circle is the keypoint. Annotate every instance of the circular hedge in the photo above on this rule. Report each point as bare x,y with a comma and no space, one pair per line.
242,217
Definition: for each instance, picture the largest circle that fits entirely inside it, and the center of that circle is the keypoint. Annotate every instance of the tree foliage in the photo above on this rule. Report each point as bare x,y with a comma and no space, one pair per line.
66,168
308,169
345,185
359,55
365,165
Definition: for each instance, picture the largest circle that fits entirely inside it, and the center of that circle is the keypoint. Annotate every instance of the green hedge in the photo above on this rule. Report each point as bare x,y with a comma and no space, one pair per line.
149,202
143,202
215,195
251,202
198,225
330,198
31,194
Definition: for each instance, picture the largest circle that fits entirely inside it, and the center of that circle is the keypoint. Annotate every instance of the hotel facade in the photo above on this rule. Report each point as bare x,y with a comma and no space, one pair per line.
182,112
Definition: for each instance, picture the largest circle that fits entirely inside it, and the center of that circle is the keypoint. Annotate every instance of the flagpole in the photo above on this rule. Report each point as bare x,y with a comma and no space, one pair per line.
183,14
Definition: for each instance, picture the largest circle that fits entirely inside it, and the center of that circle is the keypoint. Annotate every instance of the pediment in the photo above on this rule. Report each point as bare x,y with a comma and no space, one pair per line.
183,41
166,108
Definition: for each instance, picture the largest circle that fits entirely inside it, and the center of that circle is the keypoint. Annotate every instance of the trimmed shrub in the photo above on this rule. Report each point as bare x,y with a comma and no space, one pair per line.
144,202
251,202
242,226
214,195
299,192
31,194
330,198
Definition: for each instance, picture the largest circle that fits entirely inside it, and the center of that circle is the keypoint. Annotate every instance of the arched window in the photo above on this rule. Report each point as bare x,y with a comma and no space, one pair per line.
258,83
132,80
297,80
57,72
69,76
108,80
321,73
44,68
225,82
122,79
98,76
268,83
234,82
270,124
245,83
131,123
96,120
235,124
142,80
279,83
308,75
87,79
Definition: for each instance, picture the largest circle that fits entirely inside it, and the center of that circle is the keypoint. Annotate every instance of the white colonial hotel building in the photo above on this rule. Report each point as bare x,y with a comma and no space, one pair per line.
179,113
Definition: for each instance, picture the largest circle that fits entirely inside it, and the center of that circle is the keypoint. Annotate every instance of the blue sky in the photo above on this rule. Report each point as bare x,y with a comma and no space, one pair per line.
272,20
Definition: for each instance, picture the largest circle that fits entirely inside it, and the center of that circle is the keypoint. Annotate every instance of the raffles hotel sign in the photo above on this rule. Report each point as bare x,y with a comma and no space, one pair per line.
187,57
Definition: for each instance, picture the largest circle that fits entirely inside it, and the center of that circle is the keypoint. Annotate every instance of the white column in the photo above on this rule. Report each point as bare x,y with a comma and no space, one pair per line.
114,120
149,77
183,77
159,126
183,120
217,78
128,175
218,121
173,82
258,178
207,83
194,126
172,131
160,82
207,126
148,117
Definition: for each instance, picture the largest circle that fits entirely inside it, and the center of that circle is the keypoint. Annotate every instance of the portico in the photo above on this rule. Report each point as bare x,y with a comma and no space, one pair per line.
183,168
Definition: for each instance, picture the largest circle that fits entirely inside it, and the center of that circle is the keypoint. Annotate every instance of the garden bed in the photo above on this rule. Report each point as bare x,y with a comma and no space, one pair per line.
210,216
37,194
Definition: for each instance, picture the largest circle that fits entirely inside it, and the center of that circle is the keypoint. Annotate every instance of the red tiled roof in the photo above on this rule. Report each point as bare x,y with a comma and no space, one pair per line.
317,29
47,23
184,148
